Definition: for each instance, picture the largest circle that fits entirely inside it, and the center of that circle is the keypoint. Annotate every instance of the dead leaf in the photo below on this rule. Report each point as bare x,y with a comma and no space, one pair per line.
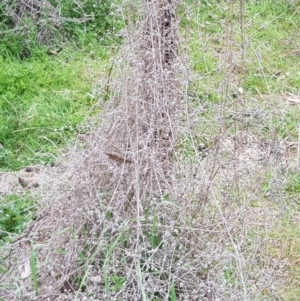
34,185
22,182
68,286
293,99
32,168
276,72
54,52
96,279
25,269
117,158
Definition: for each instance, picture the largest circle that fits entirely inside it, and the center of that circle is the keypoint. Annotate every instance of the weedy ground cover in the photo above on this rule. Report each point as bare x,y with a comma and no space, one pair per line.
51,55
48,77
15,211
248,57
227,227
43,99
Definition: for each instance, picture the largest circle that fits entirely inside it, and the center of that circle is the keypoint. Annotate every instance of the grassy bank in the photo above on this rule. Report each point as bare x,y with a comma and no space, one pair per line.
42,101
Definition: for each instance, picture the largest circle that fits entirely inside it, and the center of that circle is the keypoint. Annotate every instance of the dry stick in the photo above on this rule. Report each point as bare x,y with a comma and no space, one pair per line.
240,260
242,12
106,96
298,150
243,44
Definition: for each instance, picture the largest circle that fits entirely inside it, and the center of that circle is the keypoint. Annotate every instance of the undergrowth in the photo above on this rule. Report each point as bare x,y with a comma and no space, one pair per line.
15,211
25,26
188,188
52,53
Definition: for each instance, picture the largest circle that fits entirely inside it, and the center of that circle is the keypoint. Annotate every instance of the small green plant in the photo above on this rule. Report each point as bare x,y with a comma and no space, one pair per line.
229,275
117,282
266,182
107,255
172,292
140,278
33,268
293,184
15,211
155,239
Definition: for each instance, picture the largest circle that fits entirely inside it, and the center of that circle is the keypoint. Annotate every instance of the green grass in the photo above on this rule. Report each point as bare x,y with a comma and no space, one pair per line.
270,68
42,100
293,185
272,32
15,212
287,236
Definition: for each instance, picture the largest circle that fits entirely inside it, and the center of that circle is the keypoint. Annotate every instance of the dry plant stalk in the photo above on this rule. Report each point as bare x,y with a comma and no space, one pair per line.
127,162
44,15
125,217
40,12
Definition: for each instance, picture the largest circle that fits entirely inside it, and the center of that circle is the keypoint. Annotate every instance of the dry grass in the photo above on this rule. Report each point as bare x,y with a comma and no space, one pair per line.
140,209
41,13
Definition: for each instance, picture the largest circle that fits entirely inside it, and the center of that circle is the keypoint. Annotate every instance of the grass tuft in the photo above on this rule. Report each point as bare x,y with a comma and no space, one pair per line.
42,101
